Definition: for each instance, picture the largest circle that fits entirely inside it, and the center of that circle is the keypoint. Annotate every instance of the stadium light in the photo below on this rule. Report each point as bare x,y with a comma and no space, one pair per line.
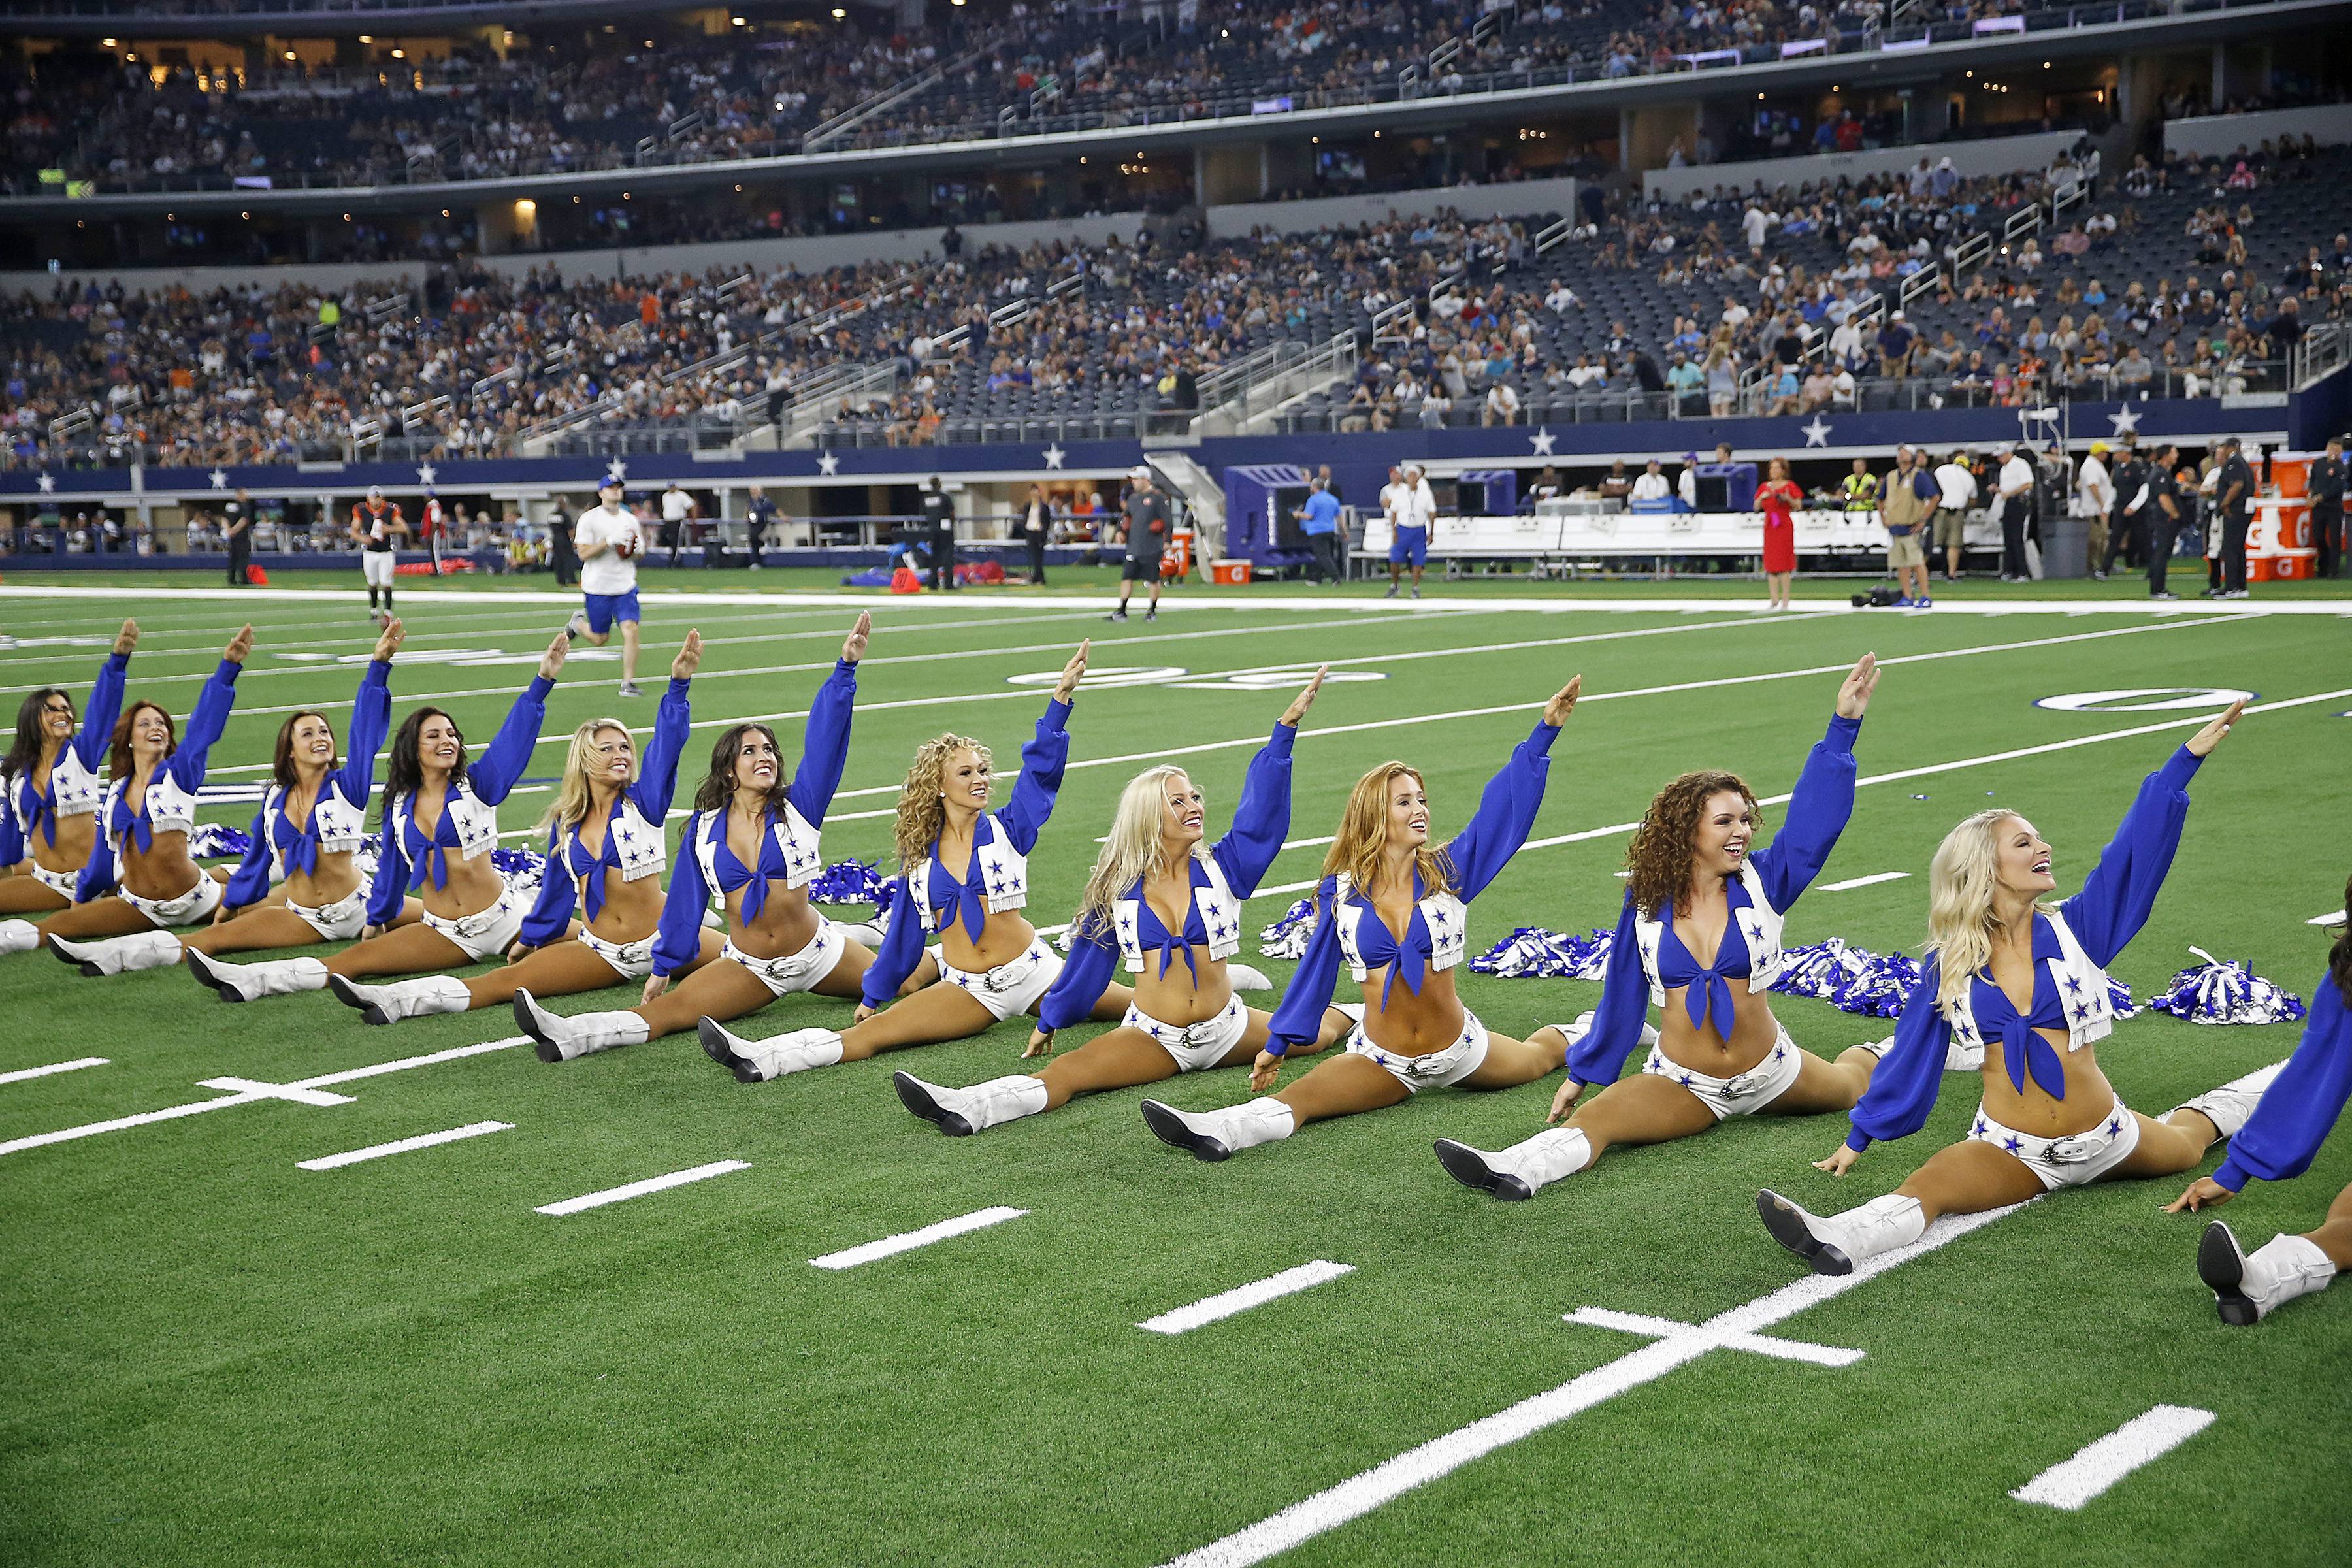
838,13
525,207
367,37
109,43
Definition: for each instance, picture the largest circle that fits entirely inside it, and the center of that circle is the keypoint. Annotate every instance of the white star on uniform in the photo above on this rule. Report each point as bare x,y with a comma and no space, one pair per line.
1053,455
616,470
2125,420
1541,440
47,484
1817,434
828,463
425,473
219,477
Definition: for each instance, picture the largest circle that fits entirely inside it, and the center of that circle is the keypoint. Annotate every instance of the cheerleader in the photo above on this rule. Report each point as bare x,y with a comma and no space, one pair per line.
2025,983
148,810
308,833
608,816
2276,1144
1695,888
752,841
49,792
1393,907
1185,1017
991,963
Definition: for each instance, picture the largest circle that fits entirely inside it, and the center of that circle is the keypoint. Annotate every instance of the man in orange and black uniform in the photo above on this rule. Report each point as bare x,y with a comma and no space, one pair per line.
376,529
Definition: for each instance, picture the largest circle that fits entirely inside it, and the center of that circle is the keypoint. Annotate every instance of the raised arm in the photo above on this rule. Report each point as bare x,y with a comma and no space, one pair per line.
1819,809
1261,818
1903,1087
370,723
211,715
501,766
1042,762
658,769
2121,889
678,938
1507,812
91,741
825,746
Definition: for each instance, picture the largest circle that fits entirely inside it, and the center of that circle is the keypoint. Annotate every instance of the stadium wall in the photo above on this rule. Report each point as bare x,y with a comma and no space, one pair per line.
2218,135
1994,155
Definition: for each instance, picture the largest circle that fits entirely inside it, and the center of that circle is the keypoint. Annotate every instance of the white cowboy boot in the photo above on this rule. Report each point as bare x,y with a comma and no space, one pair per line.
960,1112
1519,1172
403,998
1835,1243
250,982
757,1061
561,1039
2251,1286
1245,978
19,936
2228,1107
120,954
1217,1135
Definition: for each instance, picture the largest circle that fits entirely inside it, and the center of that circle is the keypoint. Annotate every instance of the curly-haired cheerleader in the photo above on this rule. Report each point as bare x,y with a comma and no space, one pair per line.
608,816
2276,1144
1393,906
149,811
49,792
753,842
1159,895
1697,889
993,962
2027,982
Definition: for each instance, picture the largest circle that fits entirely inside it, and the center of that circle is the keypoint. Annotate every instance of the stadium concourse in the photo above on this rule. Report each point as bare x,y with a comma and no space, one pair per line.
289,1287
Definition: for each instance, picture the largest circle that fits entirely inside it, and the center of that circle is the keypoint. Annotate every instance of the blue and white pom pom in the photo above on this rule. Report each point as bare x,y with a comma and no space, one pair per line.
847,882
1816,969
218,841
2119,997
1286,938
1879,990
2226,990
1532,953
522,869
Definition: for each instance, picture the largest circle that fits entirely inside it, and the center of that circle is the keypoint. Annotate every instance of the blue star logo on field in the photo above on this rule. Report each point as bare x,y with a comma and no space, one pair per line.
826,463
1542,441
1817,434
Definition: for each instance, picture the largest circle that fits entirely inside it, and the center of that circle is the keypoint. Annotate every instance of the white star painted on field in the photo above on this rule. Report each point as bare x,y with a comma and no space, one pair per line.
219,477
425,473
1053,455
616,470
1817,434
2125,420
1541,440
828,463
47,484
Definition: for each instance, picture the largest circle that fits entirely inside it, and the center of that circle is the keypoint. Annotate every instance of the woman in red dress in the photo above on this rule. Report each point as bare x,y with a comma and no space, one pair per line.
1778,498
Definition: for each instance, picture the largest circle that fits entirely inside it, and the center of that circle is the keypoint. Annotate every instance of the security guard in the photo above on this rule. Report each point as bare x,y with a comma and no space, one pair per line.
1861,488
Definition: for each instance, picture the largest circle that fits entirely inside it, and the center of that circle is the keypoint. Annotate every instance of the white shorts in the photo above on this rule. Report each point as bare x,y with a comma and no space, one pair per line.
2068,1161
486,935
1438,1070
1743,1095
796,971
191,908
1197,1046
376,566
630,959
62,883
1009,988
342,921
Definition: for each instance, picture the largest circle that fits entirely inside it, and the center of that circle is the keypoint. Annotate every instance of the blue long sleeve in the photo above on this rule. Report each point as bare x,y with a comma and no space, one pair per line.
1903,1087
1261,818
1042,760
12,837
250,881
658,769
97,877
1506,815
1071,999
501,768
1300,1020
389,888
679,936
558,890
371,721
824,744
1819,809
96,737
1624,1007
2121,889
902,949
205,726
2295,1114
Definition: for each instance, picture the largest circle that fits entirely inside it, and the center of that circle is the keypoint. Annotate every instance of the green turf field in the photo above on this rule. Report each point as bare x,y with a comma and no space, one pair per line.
216,1357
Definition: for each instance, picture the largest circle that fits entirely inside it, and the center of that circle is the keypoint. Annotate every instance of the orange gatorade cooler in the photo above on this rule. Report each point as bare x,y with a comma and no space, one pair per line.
1230,573
2291,472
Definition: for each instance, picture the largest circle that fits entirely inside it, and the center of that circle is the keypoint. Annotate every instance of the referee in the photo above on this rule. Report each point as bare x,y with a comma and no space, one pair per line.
1149,526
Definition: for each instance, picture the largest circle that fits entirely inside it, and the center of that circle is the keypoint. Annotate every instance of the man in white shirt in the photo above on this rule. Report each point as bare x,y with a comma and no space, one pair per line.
1959,488
1413,507
1652,486
608,540
2014,498
2094,491
678,509
1502,404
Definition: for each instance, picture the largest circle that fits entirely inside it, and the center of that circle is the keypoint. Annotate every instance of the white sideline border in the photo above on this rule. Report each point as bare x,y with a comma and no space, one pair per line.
21,1074
2101,1463
907,1241
1225,1304
403,1146
639,1189
1360,1494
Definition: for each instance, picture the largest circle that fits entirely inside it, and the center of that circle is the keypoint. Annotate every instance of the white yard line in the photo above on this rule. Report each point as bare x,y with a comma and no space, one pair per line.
639,1189
2142,1440
74,1066
1326,1510
401,1146
1872,880
1242,1298
907,1241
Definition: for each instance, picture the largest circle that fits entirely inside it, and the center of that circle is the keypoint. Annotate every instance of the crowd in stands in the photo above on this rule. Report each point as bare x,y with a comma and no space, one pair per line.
2189,280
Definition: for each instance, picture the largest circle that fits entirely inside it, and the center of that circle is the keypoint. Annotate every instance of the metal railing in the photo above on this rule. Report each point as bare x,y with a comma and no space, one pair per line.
2325,347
